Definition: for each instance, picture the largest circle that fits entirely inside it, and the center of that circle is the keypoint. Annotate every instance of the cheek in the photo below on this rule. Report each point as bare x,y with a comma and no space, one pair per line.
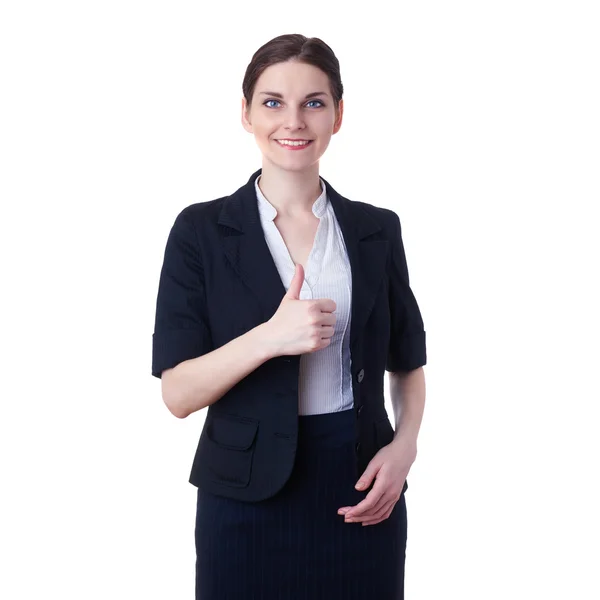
324,122
262,137
264,132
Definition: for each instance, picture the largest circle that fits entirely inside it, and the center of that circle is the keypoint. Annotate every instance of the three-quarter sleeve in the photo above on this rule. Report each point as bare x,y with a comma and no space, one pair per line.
407,349
181,329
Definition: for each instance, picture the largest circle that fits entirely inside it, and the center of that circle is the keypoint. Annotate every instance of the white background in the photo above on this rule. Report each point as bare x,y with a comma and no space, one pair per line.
478,122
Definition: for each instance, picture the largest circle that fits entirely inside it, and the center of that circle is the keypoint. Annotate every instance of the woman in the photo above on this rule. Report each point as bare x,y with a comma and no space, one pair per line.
279,308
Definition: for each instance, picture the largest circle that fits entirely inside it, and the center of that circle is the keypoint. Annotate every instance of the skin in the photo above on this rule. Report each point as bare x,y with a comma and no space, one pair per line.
290,181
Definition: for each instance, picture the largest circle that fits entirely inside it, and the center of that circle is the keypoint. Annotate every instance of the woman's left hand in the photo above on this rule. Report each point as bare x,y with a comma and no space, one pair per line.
390,467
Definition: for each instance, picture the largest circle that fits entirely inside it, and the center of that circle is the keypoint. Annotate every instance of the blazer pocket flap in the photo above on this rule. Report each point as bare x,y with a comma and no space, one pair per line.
233,432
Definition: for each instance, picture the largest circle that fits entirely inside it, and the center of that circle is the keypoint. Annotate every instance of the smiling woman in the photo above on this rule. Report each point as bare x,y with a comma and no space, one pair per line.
280,307
293,93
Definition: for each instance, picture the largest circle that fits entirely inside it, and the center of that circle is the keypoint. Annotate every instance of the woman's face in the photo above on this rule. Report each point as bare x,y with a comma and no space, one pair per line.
281,110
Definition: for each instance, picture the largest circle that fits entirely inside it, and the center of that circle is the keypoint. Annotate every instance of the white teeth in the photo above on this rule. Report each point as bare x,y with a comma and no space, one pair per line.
288,143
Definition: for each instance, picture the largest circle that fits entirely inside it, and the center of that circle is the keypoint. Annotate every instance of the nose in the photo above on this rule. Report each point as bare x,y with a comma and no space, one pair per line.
294,119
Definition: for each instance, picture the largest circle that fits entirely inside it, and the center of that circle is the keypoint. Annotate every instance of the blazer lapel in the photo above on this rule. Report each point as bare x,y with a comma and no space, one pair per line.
247,251
367,256
246,248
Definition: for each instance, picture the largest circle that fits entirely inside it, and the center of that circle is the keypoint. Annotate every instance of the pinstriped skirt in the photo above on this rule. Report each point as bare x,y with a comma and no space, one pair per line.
294,545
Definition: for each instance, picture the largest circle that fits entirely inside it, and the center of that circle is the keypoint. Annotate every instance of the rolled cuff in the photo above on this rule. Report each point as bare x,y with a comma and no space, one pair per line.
169,348
407,352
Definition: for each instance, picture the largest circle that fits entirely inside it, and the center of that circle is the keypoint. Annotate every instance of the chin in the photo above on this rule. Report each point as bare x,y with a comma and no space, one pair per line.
292,167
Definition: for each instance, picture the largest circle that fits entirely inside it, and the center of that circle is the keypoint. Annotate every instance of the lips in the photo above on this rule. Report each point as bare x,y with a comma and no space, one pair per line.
294,147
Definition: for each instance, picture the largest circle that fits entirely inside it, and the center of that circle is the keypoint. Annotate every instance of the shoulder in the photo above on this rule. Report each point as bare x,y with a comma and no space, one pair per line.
198,221
202,212
195,228
378,212
386,218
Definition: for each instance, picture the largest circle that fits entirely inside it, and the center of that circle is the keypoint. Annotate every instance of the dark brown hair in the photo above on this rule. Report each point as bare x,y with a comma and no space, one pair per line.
294,46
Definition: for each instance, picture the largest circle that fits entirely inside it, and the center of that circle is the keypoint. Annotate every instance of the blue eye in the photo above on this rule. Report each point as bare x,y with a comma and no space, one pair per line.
272,100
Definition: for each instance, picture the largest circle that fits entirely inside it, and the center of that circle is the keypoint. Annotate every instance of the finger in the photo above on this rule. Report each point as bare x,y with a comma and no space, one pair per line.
326,305
293,291
326,331
385,516
327,319
379,487
370,500
369,474
377,513
325,342
372,512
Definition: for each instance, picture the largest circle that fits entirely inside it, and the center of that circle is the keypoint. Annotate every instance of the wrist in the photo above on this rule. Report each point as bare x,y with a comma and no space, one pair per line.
405,441
263,341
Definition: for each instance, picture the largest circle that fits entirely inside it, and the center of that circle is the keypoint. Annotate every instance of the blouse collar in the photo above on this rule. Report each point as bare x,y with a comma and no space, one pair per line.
269,212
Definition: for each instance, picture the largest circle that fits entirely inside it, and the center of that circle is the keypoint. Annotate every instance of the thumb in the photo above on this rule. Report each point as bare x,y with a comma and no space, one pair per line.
367,477
296,284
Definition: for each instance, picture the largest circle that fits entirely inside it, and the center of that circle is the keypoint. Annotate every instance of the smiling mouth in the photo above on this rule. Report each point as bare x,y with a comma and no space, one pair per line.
295,143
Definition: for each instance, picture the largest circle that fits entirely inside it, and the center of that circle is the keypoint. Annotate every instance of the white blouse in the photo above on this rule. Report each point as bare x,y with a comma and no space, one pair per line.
325,381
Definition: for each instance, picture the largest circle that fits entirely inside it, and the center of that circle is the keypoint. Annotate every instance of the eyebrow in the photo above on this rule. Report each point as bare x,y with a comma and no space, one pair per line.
311,95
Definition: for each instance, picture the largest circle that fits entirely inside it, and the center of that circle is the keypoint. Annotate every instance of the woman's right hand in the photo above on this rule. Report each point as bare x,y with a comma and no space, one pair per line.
301,326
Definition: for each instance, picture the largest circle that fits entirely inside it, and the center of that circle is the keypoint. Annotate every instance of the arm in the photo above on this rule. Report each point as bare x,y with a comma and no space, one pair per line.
193,372
199,382
407,351
302,325
407,391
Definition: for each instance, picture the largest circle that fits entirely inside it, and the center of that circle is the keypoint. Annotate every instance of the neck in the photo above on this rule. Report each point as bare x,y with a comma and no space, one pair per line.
290,192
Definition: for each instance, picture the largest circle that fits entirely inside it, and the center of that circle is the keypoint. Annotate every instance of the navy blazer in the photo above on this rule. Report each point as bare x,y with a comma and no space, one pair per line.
219,280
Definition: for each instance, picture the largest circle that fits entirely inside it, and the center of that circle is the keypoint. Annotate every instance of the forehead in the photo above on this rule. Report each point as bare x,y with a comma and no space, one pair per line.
292,78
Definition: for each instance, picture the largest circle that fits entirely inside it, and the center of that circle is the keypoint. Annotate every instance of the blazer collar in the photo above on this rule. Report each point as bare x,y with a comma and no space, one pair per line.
247,251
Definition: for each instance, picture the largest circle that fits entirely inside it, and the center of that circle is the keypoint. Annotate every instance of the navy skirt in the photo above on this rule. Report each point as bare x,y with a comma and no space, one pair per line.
294,545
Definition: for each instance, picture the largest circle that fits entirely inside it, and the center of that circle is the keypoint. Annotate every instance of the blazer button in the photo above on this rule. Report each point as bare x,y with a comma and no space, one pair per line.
357,446
361,375
360,409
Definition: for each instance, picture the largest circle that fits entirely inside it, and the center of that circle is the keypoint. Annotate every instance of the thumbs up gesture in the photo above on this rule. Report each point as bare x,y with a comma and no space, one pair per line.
301,326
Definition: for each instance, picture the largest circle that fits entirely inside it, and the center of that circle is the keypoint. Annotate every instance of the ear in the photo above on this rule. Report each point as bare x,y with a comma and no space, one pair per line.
245,114
338,120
